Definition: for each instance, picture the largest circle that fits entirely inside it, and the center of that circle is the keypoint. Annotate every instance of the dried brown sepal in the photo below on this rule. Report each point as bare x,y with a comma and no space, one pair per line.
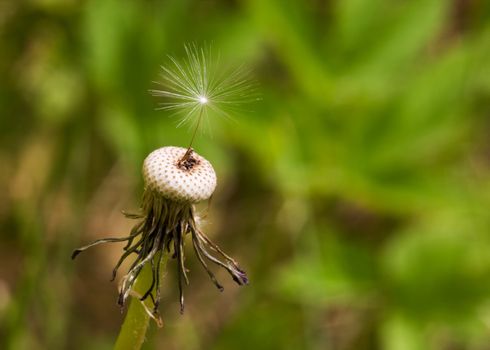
162,230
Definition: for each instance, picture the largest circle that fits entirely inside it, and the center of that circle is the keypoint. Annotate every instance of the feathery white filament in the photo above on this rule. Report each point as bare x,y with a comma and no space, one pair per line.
197,86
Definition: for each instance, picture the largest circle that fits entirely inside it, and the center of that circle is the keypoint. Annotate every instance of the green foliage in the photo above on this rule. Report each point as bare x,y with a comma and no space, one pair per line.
355,194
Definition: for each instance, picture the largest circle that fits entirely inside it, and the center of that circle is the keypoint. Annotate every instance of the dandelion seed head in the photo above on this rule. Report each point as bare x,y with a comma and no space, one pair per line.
203,100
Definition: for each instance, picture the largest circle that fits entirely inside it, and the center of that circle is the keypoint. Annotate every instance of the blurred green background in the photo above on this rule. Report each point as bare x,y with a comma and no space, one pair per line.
356,194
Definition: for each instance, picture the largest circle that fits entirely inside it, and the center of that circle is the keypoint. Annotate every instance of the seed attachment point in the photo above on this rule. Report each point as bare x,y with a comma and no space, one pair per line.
188,161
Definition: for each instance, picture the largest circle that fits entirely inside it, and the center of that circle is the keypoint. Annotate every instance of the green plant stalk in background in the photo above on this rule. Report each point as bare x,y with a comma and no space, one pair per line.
135,325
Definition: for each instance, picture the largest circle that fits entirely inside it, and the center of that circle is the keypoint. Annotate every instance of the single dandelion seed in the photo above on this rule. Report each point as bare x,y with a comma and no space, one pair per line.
175,179
197,87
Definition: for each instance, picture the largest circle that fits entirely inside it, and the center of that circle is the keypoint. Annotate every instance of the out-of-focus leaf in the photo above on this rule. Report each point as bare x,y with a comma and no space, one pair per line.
398,333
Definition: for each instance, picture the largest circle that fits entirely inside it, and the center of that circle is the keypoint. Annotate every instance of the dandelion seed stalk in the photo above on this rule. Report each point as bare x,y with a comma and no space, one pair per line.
189,149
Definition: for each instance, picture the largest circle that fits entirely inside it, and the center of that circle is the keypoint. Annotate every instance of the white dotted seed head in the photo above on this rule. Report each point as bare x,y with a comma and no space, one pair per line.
164,173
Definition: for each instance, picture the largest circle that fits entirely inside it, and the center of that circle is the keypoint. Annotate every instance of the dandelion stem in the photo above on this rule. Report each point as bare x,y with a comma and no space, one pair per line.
135,325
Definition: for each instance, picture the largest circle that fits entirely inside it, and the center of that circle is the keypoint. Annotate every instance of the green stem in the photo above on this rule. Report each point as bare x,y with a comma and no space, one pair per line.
133,330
